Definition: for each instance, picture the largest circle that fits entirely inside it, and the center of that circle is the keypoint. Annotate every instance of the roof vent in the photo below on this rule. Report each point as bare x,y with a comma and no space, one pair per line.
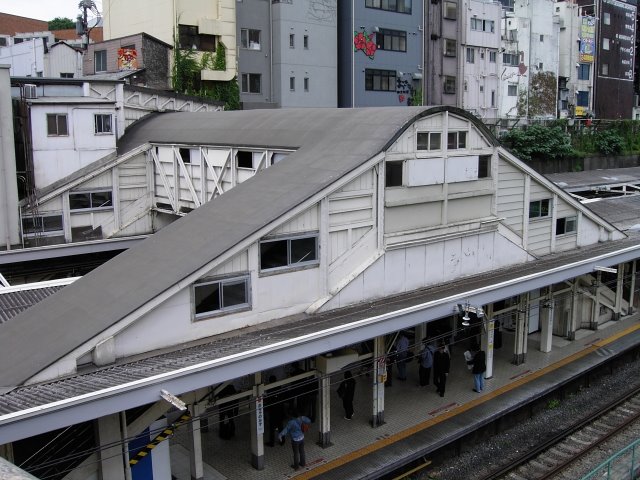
30,91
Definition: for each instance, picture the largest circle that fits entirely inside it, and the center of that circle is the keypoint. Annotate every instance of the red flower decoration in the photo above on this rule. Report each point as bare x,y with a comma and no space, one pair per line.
359,41
401,98
364,42
370,49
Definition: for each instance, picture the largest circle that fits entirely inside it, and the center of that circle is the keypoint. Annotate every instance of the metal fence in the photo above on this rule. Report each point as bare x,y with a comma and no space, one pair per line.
621,466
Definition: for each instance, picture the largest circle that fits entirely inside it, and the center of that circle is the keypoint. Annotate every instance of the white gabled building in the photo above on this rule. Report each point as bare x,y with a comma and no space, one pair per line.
358,228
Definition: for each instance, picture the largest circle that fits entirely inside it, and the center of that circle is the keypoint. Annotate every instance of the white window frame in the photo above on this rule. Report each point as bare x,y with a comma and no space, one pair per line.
570,226
58,117
91,206
245,39
290,263
100,126
541,203
246,80
42,232
471,55
100,66
459,139
434,141
222,282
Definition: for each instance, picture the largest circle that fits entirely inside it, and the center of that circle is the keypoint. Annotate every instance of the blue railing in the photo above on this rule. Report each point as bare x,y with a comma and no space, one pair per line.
620,466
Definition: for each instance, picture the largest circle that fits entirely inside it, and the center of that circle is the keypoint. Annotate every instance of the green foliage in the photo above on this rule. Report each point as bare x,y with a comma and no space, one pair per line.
186,76
61,23
186,71
416,100
609,142
220,62
551,404
539,100
538,142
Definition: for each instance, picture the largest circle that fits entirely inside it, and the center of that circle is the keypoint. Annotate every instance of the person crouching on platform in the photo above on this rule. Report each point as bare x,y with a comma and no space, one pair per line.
295,427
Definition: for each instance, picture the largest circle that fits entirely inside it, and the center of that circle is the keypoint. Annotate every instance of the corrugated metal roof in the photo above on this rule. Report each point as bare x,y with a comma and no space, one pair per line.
575,181
13,303
329,143
623,212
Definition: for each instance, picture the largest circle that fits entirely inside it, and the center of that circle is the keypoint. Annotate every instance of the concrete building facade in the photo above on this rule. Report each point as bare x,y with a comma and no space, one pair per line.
380,58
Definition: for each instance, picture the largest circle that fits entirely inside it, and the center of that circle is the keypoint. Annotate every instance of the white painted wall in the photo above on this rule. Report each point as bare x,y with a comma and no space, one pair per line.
26,58
56,157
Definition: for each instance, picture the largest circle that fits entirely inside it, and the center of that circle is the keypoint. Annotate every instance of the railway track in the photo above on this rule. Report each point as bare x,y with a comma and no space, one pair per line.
559,452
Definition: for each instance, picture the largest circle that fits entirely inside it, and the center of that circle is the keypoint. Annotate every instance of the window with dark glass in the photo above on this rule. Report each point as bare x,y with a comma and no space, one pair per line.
42,224
400,6
102,123
584,71
429,141
449,47
185,154
449,84
57,125
393,174
566,225
244,159
250,38
251,83
100,61
288,252
450,10
456,140
394,40
380,80
221,295
484,166
90,200
539,208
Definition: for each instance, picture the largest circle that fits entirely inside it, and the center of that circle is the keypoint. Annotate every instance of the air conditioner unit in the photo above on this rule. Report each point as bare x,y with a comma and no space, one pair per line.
30,91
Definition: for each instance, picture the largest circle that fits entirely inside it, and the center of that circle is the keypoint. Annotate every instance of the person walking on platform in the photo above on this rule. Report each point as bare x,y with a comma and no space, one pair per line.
426,362
441,365
402,350
478,367
295,429
346,391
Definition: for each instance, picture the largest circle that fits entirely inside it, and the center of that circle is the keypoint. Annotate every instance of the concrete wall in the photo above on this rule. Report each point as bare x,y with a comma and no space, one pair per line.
9,214
317,62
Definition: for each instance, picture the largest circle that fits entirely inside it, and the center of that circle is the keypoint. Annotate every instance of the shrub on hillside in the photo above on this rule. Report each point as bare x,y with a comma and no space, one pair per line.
537,142
609,142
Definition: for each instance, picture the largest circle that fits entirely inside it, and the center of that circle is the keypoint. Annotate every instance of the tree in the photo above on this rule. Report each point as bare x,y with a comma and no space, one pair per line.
61,23
540,99
538,142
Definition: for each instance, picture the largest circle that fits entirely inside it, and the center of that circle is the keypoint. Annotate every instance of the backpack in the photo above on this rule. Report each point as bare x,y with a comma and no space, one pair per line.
304,426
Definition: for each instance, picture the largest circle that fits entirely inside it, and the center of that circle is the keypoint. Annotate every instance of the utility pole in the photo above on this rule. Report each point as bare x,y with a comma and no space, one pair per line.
82,22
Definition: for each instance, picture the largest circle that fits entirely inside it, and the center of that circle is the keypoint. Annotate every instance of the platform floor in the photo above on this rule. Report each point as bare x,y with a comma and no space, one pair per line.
416,417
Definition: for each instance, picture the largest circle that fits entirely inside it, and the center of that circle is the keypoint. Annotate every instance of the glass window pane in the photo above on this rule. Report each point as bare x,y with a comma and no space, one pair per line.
62,125
207,297
423,141
52,223
52,125
273,254
234,293
79,200
303,250
462,139
452,140
101,199
436,141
